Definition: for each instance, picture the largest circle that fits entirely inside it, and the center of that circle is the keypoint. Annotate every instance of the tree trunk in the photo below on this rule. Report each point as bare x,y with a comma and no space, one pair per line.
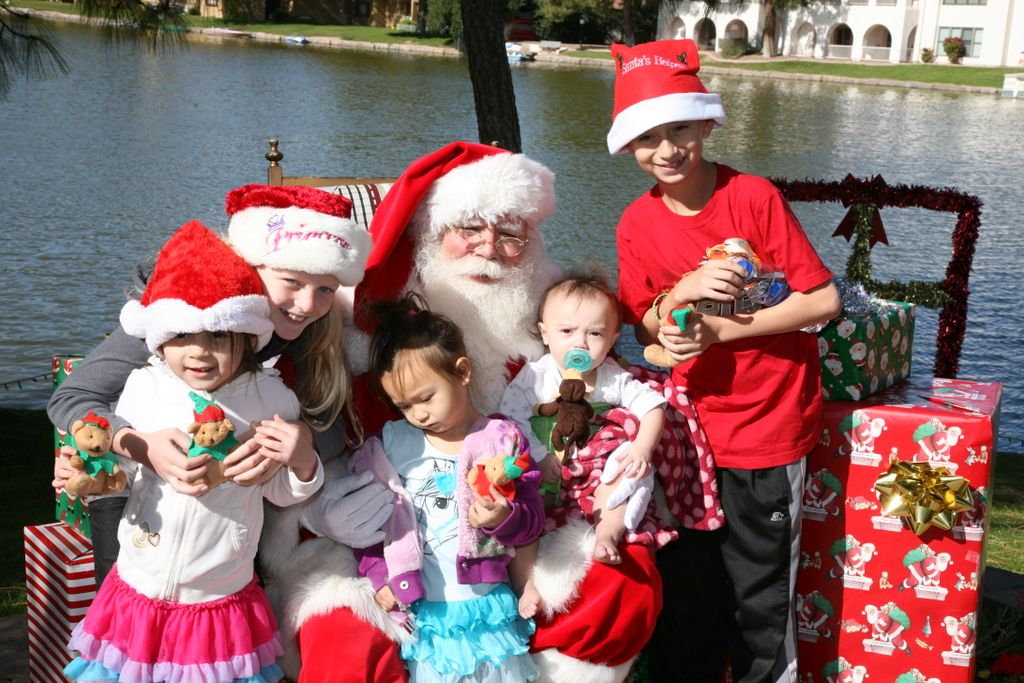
421,19
768,36
627,25
483,36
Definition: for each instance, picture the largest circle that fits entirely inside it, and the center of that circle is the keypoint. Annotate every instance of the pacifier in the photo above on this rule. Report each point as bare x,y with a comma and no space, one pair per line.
577,359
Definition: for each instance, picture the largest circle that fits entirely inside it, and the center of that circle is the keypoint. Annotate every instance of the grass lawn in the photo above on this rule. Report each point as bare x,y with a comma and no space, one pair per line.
978,76
30,501
368,34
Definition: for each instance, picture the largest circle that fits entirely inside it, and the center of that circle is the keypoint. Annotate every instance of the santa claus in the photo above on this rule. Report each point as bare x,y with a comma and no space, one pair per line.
461,227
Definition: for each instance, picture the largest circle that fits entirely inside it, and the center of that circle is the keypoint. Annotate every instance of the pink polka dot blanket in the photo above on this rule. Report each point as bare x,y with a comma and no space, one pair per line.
683,462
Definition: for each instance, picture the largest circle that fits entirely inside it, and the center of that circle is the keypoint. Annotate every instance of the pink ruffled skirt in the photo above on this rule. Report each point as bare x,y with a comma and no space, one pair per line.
126,636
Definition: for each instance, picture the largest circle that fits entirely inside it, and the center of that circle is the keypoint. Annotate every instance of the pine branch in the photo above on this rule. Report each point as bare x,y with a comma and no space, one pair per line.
159,24
28,47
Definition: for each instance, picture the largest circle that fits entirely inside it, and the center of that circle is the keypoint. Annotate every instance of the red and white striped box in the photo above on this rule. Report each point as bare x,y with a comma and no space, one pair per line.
60,585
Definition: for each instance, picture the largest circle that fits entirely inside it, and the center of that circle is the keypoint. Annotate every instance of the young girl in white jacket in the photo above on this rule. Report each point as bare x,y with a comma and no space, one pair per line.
182,602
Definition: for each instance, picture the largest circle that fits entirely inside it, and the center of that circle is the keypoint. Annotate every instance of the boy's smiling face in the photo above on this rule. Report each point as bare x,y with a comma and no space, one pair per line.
672,152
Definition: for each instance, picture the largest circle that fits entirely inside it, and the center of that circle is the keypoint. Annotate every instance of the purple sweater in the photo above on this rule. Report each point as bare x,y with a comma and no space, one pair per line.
397,562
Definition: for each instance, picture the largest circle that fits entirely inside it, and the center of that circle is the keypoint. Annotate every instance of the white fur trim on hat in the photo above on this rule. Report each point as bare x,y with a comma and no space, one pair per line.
499,186
300,239
564,557
164,319
646,114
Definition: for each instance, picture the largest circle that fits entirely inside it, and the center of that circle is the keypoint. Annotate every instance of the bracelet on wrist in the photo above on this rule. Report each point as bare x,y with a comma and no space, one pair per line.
656,303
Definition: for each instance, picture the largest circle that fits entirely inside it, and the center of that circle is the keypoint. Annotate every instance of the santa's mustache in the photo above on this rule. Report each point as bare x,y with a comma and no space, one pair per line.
475,267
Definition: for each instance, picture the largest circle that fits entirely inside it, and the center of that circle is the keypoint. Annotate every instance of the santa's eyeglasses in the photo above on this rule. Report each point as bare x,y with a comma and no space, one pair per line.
474,237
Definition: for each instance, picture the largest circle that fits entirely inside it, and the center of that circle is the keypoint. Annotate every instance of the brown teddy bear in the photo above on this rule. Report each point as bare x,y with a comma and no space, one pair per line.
213,434
572,414
99,472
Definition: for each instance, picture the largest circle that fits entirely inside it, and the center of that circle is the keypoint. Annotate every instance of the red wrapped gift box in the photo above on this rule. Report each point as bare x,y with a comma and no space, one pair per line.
60,586
873,598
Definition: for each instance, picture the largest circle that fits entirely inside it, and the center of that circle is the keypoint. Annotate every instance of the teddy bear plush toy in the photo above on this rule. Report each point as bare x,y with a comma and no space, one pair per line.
213,434
99,472
760,289
572,413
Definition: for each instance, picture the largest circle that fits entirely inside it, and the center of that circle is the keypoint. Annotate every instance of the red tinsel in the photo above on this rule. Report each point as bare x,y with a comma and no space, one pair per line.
953,317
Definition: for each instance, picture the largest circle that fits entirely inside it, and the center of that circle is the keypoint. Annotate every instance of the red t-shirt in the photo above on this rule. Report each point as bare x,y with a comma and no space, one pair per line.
759,398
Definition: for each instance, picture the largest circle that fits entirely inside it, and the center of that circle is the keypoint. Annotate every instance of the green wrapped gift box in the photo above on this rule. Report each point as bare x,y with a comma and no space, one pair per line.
72,511
863,352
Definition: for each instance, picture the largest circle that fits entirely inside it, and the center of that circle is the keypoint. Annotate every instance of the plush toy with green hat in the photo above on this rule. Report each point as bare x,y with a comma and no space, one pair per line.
99,471
499,471
212,434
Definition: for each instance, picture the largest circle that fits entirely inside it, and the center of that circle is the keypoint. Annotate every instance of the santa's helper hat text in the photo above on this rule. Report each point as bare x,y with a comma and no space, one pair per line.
656,83
458,183
297,228
199,284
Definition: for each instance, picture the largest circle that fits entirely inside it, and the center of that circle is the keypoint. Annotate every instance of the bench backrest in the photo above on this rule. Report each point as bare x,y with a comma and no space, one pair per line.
365,193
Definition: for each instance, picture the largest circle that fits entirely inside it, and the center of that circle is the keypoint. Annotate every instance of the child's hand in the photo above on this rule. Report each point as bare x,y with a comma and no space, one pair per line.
636,462
289,443
166,453
62,469
489,513
718,279
689,343
245,465
550,469
385,597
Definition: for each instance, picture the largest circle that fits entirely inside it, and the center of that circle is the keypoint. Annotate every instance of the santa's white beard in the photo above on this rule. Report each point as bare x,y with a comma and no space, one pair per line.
497,318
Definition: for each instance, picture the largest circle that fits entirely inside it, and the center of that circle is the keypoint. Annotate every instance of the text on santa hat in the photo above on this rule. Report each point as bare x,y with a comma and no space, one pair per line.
279,237
645,60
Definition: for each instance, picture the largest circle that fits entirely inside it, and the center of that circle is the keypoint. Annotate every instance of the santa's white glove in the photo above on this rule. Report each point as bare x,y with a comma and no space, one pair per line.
350,510
636,491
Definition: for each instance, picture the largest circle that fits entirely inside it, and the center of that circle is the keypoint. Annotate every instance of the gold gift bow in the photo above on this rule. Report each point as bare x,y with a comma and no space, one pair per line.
926,496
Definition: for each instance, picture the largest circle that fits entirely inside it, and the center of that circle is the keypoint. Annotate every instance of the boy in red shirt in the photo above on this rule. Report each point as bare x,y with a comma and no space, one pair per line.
753,377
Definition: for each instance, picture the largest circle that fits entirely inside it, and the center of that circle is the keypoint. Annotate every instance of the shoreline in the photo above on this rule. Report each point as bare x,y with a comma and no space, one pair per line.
544,59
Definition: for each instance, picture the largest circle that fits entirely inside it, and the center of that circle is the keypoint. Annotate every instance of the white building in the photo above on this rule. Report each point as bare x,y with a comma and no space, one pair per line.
861,30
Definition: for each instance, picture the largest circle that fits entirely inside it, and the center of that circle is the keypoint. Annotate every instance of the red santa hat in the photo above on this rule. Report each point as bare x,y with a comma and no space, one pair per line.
297,228
460,182
199,285
656,83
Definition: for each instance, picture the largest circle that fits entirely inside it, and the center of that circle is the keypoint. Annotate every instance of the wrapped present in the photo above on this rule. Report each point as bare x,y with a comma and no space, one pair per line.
867,348
60,586
71,510
892,548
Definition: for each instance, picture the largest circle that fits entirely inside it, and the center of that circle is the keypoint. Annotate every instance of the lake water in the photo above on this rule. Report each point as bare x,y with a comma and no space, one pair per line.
102,165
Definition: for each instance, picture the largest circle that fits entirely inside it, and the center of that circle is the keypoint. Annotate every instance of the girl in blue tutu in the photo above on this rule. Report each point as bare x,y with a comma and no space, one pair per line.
442,570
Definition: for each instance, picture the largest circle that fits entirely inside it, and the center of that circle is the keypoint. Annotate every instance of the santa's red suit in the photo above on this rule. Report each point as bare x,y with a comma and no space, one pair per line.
598,617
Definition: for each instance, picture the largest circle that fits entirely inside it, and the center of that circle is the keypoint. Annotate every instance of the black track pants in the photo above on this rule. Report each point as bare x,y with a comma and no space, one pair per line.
729,593
104,516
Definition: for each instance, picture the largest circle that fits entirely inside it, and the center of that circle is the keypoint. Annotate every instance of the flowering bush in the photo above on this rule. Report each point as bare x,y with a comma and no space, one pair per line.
1009,663
998,647
954,48
927,55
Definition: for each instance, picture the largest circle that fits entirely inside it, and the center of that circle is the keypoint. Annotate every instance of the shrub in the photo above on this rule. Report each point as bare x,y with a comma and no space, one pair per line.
239,11
954,48
927,55
732,48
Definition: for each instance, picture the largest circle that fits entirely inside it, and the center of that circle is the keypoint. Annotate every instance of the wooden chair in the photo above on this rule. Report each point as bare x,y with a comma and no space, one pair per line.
365,193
